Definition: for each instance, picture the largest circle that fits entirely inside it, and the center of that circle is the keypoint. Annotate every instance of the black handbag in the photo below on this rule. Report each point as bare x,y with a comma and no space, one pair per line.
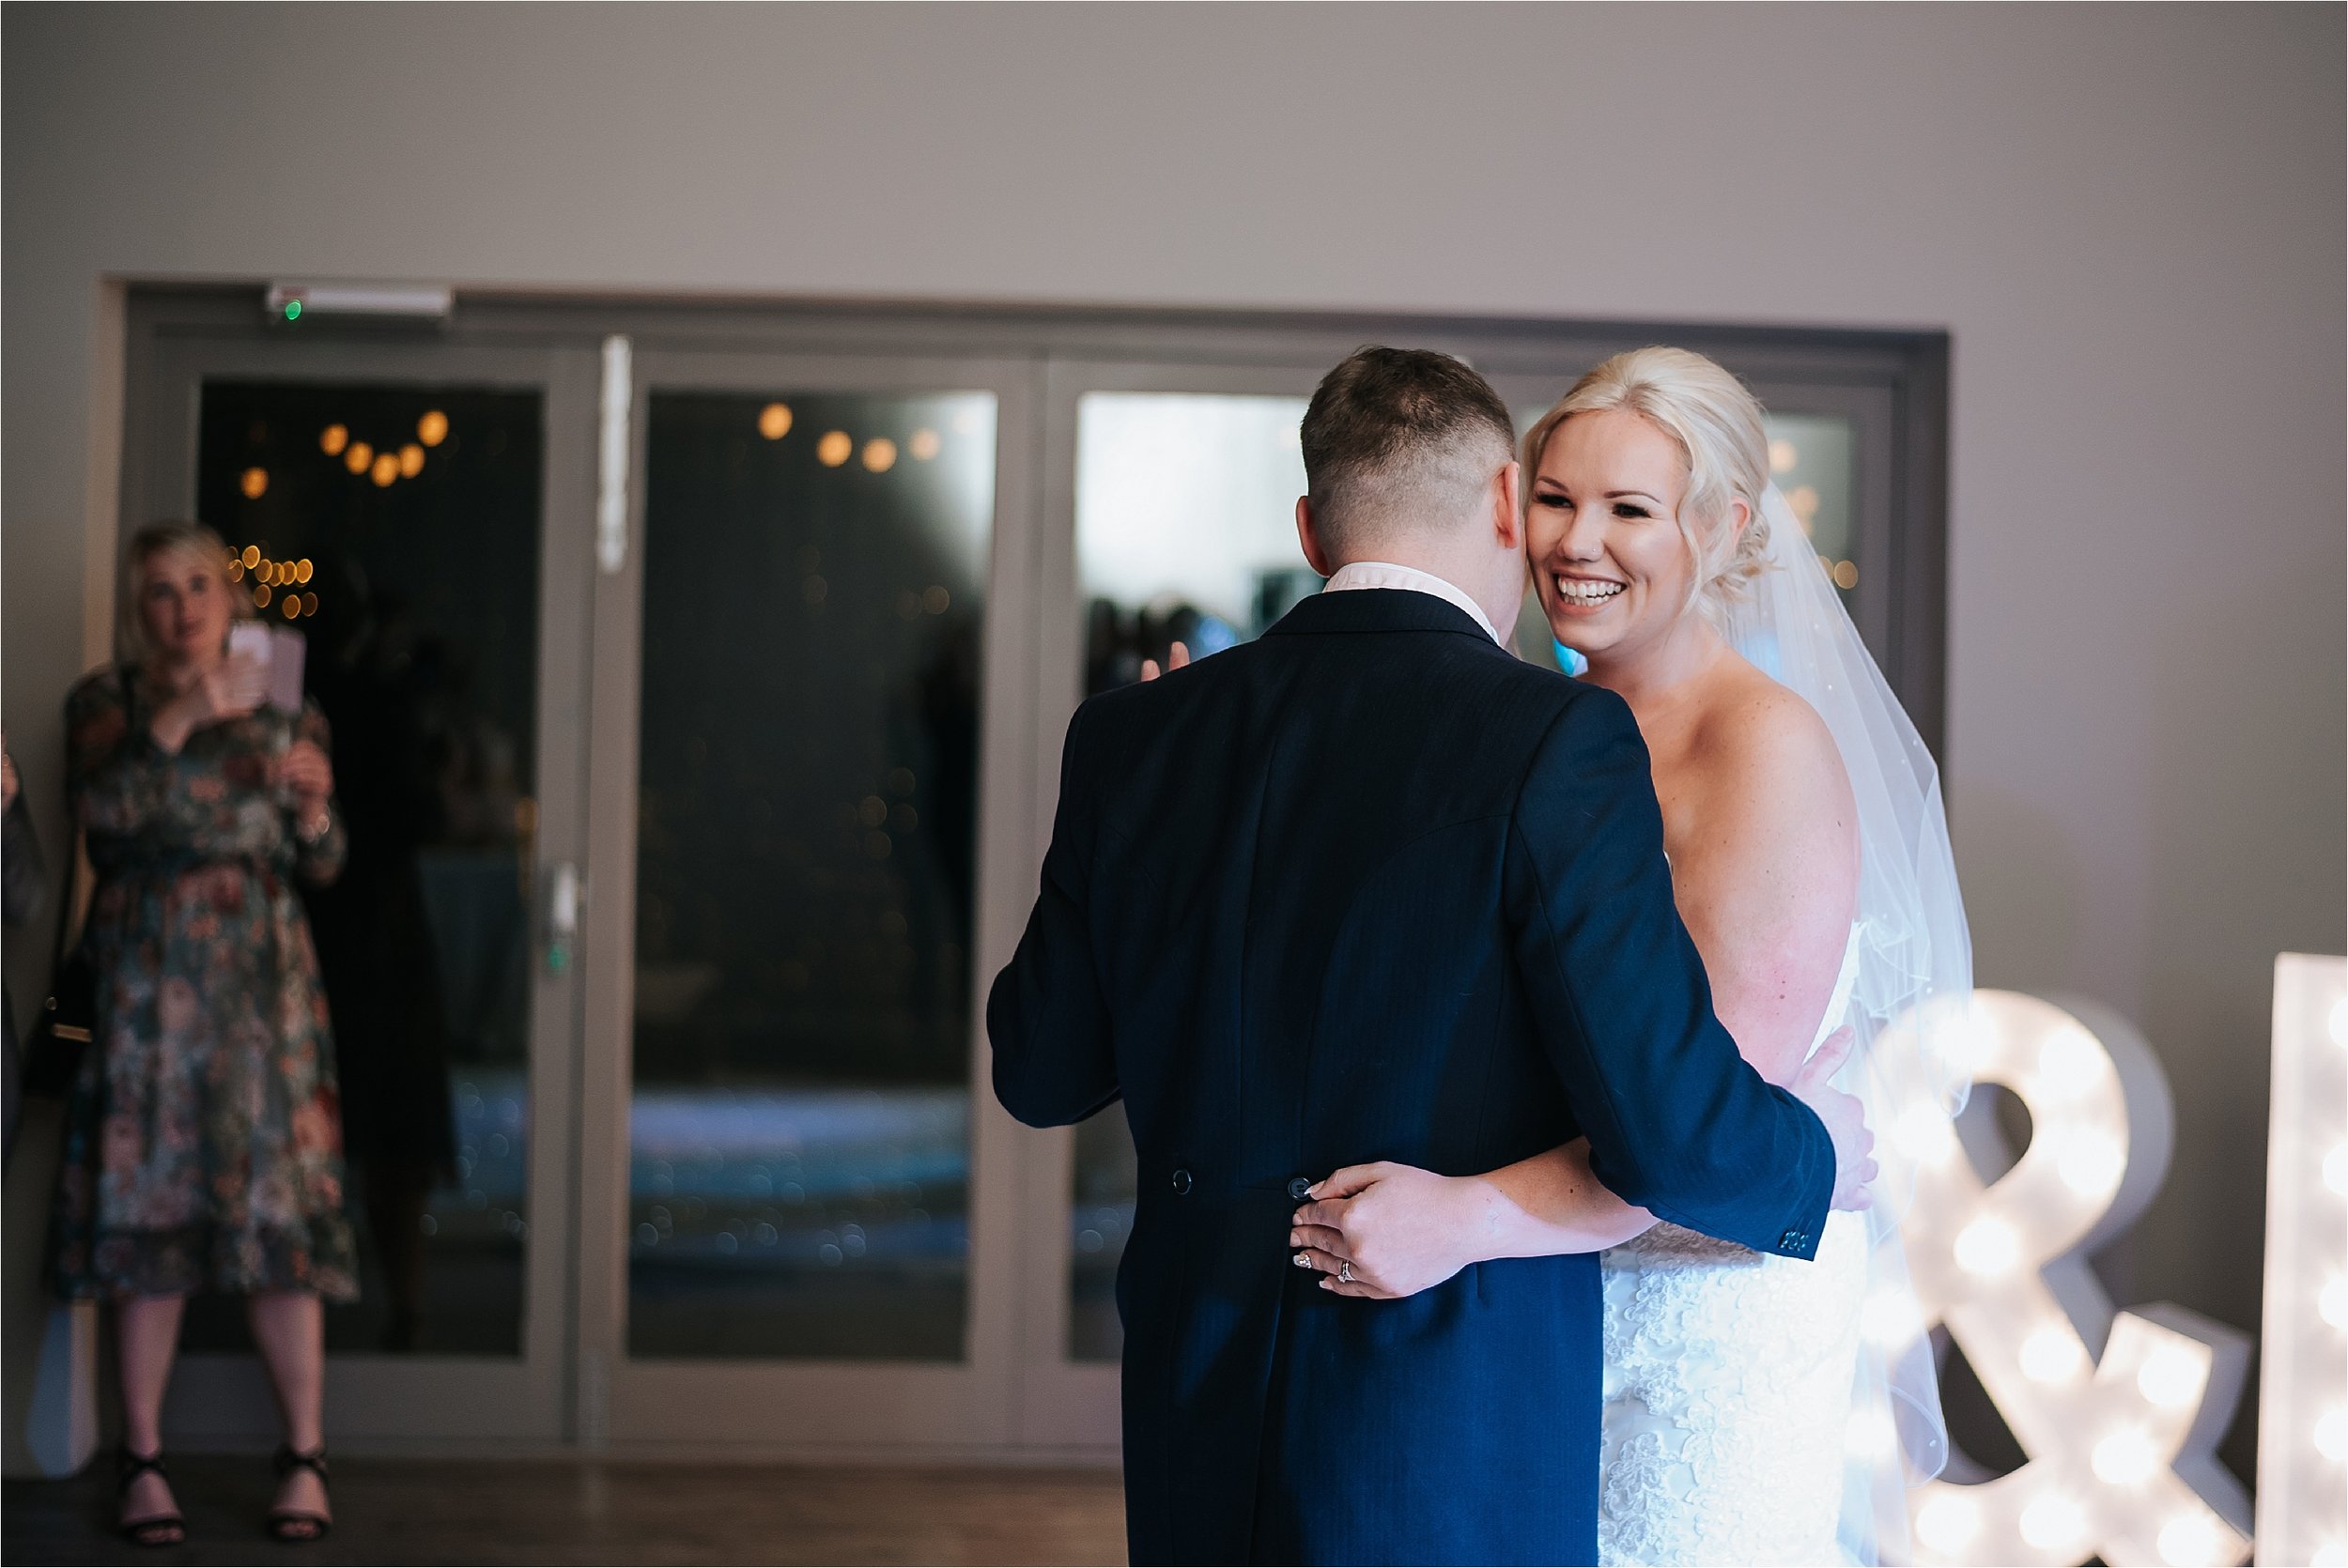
68,1015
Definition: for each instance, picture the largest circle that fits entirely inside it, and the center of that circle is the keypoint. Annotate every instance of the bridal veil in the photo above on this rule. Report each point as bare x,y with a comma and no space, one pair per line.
1915,981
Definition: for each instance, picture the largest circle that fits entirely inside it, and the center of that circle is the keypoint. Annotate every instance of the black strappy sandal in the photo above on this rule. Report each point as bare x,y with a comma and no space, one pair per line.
293,1526
155,1529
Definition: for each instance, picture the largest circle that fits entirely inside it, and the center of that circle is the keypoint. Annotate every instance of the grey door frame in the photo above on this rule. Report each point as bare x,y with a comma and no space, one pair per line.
387,1401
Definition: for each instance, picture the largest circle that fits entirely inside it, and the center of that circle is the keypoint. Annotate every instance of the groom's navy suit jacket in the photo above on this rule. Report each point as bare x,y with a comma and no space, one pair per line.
1371,888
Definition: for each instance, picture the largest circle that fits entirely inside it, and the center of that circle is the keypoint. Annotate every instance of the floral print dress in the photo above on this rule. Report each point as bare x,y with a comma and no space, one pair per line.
204,1141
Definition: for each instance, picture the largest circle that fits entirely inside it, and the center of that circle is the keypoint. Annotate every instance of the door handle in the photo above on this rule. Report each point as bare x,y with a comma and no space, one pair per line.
561,918
611,459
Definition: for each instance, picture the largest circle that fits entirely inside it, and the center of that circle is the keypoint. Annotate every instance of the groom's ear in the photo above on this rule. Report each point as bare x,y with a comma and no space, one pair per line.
1507,517
1310,537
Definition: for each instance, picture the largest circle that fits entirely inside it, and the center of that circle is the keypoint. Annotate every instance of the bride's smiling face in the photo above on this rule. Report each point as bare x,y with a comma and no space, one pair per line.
1603,533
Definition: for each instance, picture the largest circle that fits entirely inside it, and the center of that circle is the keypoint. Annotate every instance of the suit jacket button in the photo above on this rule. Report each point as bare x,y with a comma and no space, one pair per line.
1182,1182
1300,1189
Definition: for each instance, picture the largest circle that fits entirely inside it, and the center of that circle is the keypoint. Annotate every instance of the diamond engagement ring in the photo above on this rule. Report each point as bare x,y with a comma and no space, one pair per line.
1345,1272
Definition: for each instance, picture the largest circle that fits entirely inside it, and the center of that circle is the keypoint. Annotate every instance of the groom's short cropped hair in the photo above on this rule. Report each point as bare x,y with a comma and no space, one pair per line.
1396,439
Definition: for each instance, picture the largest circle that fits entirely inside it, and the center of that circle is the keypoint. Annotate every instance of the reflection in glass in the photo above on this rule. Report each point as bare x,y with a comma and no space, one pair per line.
1186,531
418,591
1185,524
1814,460
800,1137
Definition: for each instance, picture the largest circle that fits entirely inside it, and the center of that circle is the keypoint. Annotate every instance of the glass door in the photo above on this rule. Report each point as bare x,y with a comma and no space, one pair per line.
417,514
797,1226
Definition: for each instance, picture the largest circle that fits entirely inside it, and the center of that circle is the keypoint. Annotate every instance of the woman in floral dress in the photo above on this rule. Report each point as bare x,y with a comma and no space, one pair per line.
203,1144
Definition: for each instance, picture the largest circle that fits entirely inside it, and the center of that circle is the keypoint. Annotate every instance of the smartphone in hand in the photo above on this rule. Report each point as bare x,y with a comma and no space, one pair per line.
287,647
280,651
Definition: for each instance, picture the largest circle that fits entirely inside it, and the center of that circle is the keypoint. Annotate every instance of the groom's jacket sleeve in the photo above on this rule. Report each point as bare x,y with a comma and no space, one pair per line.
1046,1017
1679,1123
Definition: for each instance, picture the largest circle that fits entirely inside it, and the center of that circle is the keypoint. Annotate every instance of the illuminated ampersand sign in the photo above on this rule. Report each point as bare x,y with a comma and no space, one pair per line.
2119,1444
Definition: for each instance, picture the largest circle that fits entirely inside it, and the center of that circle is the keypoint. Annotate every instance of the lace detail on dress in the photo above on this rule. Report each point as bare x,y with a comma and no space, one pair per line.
1728,1392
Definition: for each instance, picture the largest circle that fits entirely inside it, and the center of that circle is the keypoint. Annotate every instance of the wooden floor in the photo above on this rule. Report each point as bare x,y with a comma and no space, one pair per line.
401,1511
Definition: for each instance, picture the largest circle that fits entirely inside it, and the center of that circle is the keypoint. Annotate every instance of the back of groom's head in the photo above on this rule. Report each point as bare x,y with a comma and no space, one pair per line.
1397,439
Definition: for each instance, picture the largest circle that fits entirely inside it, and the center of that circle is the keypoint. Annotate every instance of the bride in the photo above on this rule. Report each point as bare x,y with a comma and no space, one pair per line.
1757,1408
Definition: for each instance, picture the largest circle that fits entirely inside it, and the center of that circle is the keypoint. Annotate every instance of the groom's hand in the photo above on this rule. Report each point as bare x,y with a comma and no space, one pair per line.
1846,1119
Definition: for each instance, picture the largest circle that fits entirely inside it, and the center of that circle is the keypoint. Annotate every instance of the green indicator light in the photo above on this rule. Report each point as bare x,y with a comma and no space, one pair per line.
293,310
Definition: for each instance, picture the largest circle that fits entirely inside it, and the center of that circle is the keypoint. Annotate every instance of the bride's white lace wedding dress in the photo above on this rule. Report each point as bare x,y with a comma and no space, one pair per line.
1729,1382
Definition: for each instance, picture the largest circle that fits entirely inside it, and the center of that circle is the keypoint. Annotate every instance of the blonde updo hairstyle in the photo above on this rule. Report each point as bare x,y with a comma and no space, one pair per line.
1717,425
190,540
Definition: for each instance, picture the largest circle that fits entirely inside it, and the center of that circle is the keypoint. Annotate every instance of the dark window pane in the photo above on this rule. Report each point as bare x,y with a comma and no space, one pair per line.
799,1179
396,528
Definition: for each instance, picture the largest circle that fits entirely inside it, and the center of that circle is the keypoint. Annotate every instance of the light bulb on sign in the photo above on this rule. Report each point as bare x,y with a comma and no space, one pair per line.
2069,1062
2093,1165
2124,1458
2189,1541
2170,1377
2052,1355
1925,1133
2053,1522
1871,1439
2331,1434
1987,1247
1888,1318
1947,1523
1963,1036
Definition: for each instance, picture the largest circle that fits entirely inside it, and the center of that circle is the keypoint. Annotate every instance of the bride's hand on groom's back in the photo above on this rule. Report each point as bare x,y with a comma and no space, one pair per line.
1846,1119
1384,1231
1176,657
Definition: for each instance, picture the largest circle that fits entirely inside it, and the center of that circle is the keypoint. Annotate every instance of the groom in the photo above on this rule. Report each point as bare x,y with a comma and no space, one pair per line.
1372,889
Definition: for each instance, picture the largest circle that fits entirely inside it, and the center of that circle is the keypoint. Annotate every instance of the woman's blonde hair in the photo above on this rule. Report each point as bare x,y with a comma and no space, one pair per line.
1717,425
193,540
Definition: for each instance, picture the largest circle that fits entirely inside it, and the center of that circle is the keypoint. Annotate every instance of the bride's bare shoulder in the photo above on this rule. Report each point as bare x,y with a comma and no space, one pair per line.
1760,740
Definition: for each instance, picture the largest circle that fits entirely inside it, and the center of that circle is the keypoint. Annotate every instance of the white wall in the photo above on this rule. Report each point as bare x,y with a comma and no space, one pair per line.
2130,218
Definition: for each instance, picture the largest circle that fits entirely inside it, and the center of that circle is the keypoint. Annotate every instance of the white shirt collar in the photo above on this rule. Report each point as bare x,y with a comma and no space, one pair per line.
1385,574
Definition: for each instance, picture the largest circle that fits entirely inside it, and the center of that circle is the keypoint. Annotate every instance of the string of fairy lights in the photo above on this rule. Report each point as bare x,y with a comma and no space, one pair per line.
274,583
877,453
271,580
